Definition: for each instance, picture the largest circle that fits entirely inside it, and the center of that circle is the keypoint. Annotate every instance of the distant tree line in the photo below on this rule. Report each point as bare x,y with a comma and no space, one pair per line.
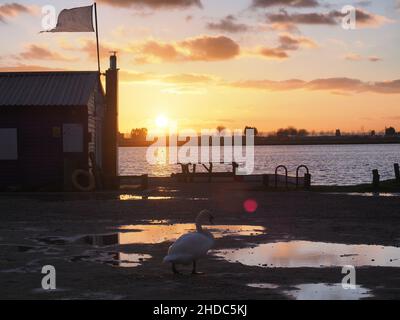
292,132
140,134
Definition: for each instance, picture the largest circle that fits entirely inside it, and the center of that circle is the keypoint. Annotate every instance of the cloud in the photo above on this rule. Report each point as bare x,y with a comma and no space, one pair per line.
353,57
181,78
331,18
283,17
11,10
374,59
39,52
367,19
20,67
358,57
154,4
273,53
228,24
334,85
203,48
176,84
287,42
287,3
188,78
90,47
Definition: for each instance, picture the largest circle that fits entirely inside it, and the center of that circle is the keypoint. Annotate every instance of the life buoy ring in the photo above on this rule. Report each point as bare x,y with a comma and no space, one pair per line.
91,181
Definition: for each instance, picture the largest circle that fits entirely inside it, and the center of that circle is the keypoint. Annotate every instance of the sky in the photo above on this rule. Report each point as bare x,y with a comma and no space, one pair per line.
234,63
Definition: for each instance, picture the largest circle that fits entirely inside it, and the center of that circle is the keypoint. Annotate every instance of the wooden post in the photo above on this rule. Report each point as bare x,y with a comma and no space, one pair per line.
193,174
307,181
266,180
145,181
397,172
376,179
234,170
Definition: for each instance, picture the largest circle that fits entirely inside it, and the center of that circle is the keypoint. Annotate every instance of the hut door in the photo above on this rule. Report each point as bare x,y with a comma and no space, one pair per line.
72,137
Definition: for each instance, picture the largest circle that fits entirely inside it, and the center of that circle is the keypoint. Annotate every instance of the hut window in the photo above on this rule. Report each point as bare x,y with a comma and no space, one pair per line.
72,137
8,144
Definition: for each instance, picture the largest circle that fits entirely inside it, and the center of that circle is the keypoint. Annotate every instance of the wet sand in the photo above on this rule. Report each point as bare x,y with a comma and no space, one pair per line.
42,229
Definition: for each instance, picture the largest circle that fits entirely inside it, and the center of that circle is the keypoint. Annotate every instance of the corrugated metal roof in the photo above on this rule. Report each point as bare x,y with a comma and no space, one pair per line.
47,88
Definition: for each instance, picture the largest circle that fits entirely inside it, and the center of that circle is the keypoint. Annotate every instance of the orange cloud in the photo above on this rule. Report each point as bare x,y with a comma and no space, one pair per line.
284,19
155,4
228,24
26,68
90,48
273,53
341,85
287,43
203,48
181,79
288,3
358,57
10,10
38,52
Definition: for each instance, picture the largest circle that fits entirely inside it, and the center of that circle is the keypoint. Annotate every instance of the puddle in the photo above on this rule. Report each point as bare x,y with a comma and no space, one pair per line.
263,285
158,221
30,249
53,240
131,197
369,194
297,254
153,234
115,259
323,291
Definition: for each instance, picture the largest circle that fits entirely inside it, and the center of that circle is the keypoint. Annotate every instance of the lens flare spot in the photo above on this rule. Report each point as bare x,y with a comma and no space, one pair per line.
250,205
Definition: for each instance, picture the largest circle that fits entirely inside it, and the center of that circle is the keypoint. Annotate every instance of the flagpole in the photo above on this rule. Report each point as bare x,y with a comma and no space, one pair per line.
97,38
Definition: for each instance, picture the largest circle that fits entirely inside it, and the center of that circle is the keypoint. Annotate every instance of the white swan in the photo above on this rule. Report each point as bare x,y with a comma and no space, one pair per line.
191,246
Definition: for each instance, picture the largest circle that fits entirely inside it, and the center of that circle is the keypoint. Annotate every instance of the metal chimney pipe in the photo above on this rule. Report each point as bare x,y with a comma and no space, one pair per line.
110,132
113,61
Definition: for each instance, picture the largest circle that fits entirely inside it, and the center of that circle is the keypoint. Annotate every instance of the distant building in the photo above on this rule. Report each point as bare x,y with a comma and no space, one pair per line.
338,133
53,124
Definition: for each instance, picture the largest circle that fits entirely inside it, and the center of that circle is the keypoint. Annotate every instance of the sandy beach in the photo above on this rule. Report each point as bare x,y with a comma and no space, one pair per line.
64,230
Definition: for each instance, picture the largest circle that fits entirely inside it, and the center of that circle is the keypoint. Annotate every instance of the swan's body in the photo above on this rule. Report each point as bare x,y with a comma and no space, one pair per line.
191,246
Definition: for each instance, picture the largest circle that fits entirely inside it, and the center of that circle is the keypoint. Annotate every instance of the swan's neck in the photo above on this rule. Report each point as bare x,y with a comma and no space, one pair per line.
199,227
205,232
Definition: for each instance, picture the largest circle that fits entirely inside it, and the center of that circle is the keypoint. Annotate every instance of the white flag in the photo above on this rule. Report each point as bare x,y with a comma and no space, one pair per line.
75,20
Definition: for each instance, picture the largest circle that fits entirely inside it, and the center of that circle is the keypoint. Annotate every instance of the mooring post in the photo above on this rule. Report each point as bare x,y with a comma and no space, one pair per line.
145,181
276,175
307,181
193,174
266,180
235,166
397,172
376,178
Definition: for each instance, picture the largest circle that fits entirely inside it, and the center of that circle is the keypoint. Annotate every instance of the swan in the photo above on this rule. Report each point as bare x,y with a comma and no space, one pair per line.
191,246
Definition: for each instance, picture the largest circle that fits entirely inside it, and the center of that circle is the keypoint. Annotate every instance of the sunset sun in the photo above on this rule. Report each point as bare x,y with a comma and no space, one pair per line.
162,122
